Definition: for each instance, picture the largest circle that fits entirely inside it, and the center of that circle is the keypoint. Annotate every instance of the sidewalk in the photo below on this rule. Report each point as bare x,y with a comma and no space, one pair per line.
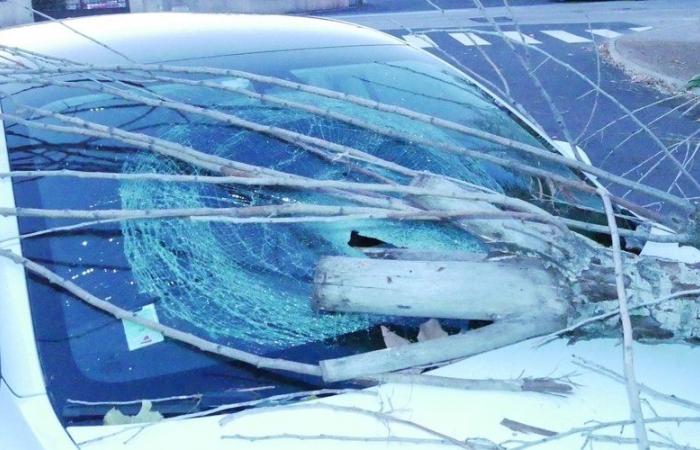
668,55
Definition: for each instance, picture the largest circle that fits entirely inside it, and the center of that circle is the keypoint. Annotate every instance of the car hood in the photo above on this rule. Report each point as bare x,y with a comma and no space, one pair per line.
455,413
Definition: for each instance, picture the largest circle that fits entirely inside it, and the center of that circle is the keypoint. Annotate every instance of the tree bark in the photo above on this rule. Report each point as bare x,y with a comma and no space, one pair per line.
537,279
481,289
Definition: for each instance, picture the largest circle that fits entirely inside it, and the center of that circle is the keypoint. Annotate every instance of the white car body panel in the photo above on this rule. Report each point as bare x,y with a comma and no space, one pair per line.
28,422
18,355
457,413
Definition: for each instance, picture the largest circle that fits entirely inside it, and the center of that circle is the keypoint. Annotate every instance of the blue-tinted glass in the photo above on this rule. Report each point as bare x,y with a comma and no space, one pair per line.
244,285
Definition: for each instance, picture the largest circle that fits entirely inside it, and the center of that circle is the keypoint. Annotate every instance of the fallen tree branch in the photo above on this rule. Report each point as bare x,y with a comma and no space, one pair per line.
301,183
172,333
670,398
452,347
281,398
229,167
604,93
536,385
338,438
553,386
267,213
381,416
602,425
285,134
478,289
633,441
627,333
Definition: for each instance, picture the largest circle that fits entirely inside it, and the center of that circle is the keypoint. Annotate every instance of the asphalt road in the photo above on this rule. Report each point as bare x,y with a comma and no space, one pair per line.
592,119
384,6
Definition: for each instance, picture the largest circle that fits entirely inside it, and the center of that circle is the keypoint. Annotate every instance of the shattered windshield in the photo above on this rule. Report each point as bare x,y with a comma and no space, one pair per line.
246,285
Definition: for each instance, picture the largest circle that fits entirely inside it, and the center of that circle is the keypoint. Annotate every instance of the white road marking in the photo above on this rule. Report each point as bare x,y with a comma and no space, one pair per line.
520,37
469,39
604,32
565,36
638,29
419,40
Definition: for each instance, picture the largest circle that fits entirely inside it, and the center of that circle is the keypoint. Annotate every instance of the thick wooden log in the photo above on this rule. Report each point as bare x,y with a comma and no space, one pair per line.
434,351
481,289
549,279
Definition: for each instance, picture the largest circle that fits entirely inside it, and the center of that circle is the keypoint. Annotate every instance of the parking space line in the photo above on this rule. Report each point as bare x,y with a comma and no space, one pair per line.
604,32
638,29
521,37
419,40
469,39
565,36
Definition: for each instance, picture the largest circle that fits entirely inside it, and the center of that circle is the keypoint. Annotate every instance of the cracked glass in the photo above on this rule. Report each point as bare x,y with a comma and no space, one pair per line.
244,285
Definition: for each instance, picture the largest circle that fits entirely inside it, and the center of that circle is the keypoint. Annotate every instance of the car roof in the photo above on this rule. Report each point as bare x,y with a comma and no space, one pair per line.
170,37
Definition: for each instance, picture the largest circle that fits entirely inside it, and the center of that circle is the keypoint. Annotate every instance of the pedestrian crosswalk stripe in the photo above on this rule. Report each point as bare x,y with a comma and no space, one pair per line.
520,37
419,40
565,36
604,32
469,39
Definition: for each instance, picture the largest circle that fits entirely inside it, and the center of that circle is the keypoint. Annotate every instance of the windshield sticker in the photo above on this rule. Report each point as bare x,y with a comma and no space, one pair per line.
138,336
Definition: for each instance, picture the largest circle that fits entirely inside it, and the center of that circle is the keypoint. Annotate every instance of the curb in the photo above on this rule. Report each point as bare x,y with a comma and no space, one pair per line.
661,81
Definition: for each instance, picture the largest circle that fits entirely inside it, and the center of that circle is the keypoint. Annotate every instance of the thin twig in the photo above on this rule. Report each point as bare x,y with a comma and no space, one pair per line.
383,417
590,365
172,333
624,440
336,438
366,103
290,212
73,30
602,425
274,399
605,94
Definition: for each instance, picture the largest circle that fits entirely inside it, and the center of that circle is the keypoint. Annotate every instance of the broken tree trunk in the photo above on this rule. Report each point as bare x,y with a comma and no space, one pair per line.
538,279
481,289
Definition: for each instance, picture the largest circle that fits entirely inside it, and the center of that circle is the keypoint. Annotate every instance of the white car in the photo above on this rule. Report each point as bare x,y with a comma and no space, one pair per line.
71,375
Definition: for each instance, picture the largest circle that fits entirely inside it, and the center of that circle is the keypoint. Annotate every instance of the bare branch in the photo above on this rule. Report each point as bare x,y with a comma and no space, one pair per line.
590,365
284,134
380,416
601,426
172,333
554,386
628,339
337,438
